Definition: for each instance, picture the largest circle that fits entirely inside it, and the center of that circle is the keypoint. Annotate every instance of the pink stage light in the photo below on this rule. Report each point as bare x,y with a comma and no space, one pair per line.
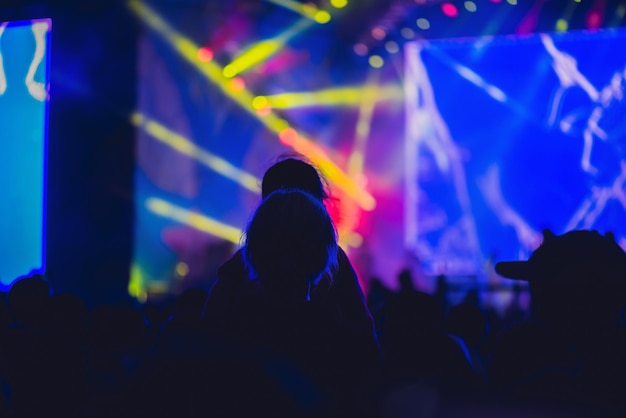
595,17
593,20
449,10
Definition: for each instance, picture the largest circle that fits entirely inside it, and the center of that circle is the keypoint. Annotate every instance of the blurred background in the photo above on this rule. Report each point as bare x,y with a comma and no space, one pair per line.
451,132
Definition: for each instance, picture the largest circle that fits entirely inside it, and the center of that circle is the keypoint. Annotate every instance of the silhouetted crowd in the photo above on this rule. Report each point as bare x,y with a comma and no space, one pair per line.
286,331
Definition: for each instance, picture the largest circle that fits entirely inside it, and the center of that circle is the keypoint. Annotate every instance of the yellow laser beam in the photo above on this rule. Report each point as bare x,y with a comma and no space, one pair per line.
137,283
341,96
193,219
261,51
188,50
366,110
305,146
356,161
213,72
307,10
187,147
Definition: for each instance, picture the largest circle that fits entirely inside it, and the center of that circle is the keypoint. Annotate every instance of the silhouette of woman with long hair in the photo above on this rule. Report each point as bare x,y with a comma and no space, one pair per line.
337,290
290,247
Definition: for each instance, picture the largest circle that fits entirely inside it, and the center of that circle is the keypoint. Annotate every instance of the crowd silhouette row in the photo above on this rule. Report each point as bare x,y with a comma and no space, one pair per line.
286,331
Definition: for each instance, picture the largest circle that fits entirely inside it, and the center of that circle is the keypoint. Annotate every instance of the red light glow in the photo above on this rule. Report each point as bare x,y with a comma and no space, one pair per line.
236,84
205,55
265,112
594,20
288,136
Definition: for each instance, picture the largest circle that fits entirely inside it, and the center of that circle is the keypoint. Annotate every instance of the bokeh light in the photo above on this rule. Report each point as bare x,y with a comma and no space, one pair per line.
182,269
322,16
376,61
379,33
229,71
593,20
259,102
339,4
392,47
205,55
360,49
470,6
407,33
288,136
236,84
265,111
449,10
423,23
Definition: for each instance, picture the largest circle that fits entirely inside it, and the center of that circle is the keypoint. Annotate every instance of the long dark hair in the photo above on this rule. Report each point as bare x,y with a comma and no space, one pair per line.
290,242
294,171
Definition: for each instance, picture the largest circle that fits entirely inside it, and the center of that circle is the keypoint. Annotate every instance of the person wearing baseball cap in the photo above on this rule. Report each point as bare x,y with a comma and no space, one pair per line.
576,280
574,346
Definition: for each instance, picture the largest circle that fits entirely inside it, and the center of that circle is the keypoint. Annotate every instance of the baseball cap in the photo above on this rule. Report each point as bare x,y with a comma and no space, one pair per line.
574,255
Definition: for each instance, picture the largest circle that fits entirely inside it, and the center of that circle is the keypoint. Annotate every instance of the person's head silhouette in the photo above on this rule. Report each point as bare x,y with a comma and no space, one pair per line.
27,299
577,280
290,243
294,173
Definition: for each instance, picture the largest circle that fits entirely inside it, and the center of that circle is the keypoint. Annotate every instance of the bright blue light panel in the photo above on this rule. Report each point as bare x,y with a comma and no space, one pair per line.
509,135
24,69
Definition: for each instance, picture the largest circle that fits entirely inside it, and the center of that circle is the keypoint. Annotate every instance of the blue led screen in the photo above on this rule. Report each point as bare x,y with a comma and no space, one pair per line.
24,50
